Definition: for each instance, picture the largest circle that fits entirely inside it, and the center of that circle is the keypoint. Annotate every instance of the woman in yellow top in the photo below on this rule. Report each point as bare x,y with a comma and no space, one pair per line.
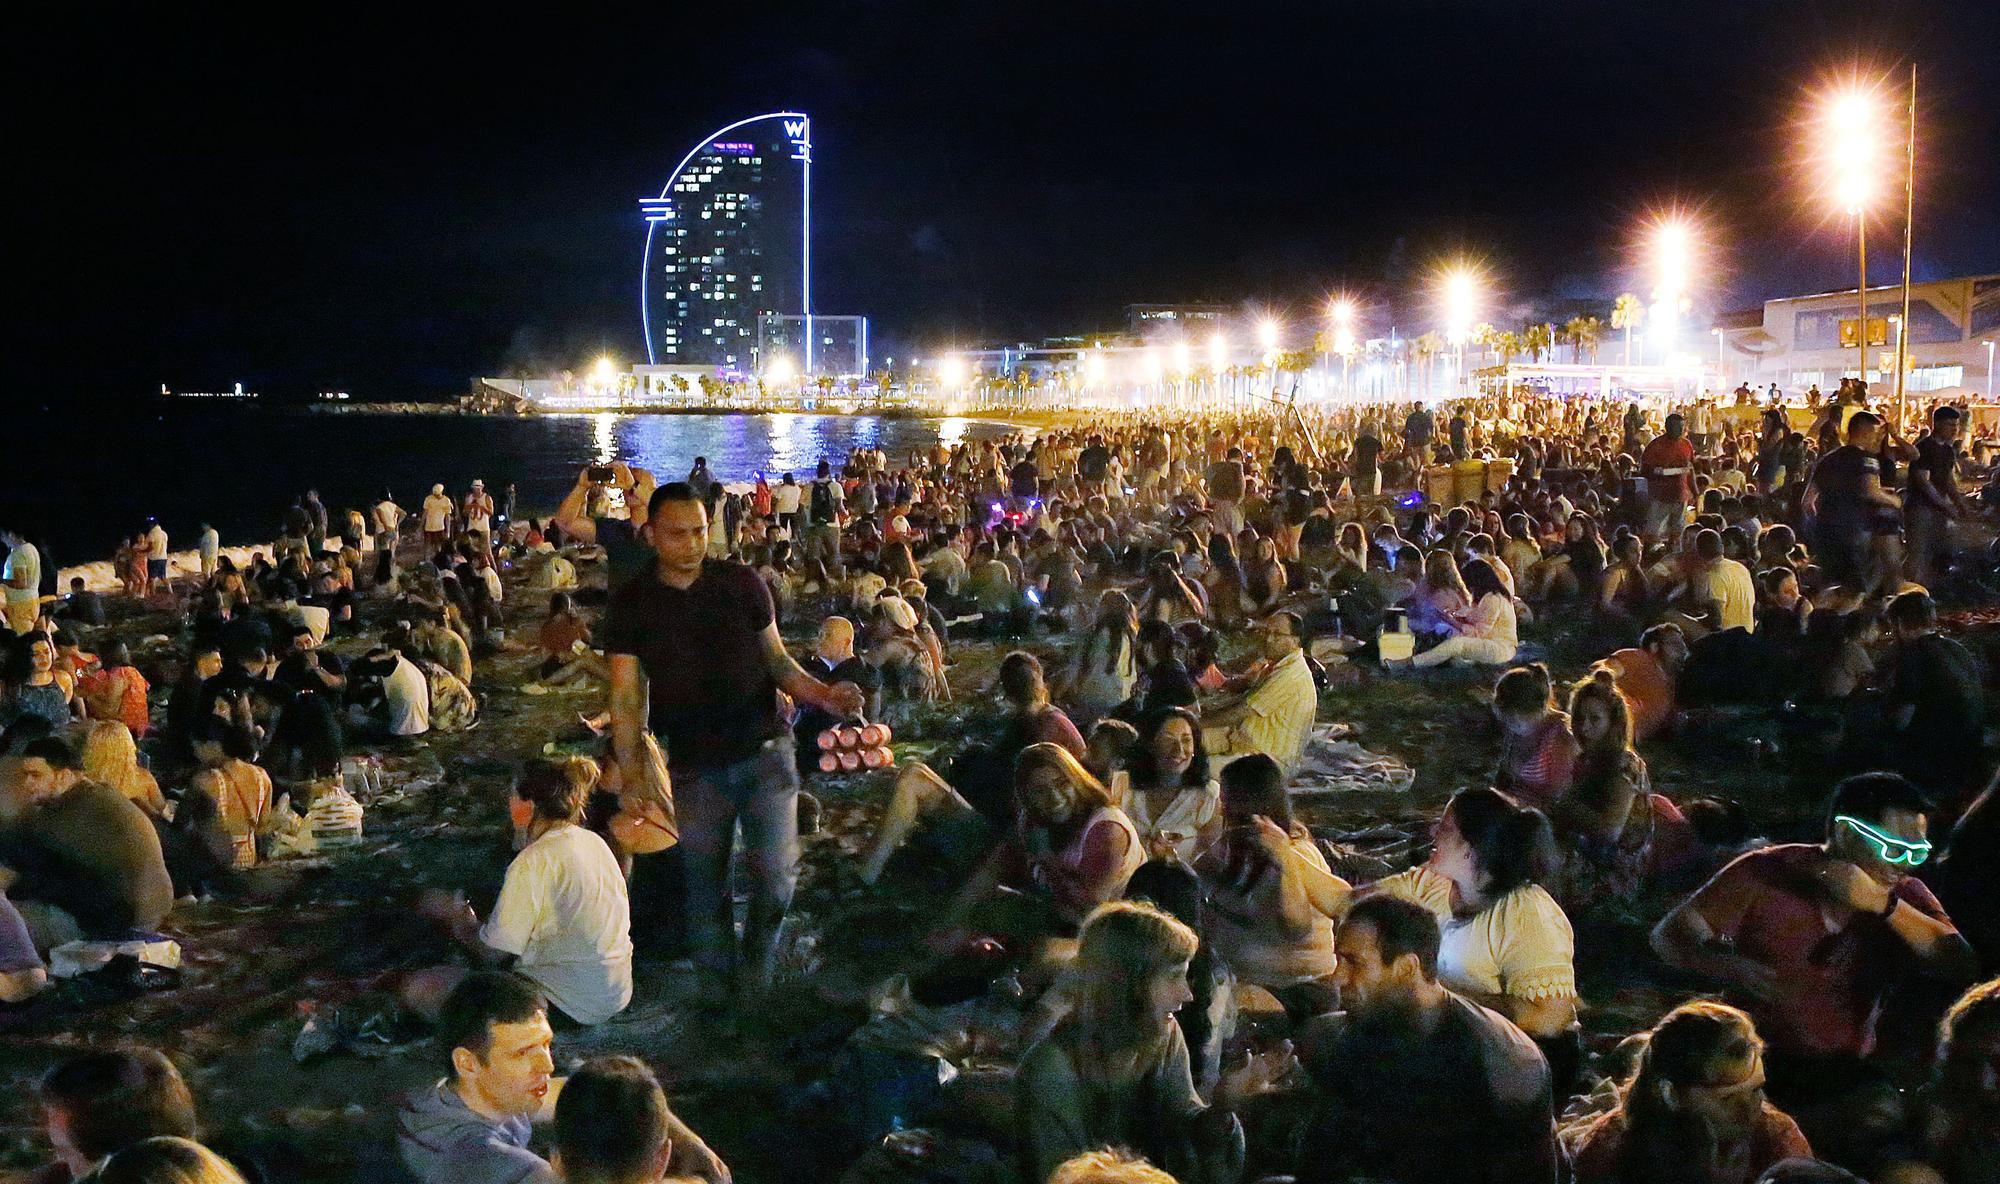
240,791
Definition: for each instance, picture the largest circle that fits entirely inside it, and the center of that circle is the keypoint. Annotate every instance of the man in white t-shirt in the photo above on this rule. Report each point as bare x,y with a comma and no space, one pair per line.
786,498
23,577
406,697
437,518
1721,587
210,548
564,914
479,513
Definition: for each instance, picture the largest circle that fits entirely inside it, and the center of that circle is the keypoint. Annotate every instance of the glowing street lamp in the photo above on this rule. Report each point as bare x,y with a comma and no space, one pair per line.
1850,146
1342,311
1672,251
951,372
1461,303
780,371
1093,367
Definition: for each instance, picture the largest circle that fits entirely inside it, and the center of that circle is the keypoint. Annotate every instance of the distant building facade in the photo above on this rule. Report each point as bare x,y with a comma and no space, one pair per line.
839,346
1150,320
1804,341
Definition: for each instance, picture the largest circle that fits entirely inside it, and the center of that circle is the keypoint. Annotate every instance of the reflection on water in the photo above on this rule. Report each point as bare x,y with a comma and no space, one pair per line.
738,447
604,434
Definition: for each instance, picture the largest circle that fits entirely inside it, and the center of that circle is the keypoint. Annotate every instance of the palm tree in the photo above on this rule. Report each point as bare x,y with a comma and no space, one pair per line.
1538,339
1626,313
1582,333
1425,348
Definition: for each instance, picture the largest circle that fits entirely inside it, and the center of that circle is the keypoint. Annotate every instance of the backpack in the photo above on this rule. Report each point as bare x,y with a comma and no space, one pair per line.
821,510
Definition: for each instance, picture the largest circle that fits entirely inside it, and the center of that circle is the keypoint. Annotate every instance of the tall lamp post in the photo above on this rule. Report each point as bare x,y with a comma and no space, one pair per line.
1343,341
1851,124
1461,290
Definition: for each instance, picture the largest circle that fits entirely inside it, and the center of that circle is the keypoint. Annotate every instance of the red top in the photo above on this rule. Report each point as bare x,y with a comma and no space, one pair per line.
1537,768
118,694
1668,466
1776,1137
1834,966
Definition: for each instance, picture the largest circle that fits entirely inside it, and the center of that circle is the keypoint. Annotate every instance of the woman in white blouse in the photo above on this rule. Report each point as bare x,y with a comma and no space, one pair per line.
1486,632
1170,796
1506,942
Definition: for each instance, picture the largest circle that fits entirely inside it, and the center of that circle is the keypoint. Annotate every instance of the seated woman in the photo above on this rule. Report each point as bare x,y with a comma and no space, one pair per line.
1617,832
1486,634
1117,1071
564,641
1506,942
1170,797
1271,896
1071,848
1224,583
1264,580
1693,1110
238,788
111,758
1105,664
1624,590
34,685
1537,751
911,667
562,921
1440,598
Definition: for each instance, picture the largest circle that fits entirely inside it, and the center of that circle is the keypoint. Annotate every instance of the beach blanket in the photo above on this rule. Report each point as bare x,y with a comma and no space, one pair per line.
1333,763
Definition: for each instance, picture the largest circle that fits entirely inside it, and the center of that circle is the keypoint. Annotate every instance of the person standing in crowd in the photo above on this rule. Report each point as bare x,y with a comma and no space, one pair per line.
696,658
386,520
437,519
208,547
1846,501
23,578
1668,466
479,516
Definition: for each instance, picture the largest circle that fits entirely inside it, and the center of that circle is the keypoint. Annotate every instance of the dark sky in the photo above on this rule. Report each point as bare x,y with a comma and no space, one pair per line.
392,201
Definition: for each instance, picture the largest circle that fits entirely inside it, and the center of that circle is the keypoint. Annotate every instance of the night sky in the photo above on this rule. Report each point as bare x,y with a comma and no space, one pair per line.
393,205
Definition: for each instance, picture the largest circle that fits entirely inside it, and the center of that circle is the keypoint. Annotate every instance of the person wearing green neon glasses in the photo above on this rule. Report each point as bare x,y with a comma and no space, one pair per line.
1815,937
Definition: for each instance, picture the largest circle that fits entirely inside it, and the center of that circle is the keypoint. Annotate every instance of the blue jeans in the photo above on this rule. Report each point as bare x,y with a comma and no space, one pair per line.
762,794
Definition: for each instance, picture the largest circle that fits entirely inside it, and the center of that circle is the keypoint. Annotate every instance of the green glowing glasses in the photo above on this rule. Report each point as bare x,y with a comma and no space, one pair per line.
1888,848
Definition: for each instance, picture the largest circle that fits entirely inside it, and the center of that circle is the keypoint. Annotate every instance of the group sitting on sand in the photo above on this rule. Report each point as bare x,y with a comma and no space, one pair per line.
1106,876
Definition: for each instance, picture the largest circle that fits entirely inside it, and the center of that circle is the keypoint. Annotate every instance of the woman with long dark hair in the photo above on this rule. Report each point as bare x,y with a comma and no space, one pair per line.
1172,799
1106,664
1272,898
1693,1110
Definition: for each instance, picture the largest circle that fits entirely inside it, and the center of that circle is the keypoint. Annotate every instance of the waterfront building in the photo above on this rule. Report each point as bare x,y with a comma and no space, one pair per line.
729,239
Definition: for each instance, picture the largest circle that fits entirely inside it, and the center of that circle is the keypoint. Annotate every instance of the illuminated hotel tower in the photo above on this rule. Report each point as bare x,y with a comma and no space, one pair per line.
728,239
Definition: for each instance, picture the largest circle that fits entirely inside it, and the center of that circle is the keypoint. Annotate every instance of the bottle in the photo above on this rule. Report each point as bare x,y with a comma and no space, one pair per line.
828,740
828,762
873,758
850,760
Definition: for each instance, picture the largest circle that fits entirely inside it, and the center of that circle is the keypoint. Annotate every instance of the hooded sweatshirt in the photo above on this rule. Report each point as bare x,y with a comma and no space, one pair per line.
443,1142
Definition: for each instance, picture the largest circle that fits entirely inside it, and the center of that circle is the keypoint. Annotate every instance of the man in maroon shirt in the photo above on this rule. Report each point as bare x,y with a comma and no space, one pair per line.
1667,464
696,657
1816,936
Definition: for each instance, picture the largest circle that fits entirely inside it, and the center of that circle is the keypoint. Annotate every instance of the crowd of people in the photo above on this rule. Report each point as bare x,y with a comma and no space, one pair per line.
1199,987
